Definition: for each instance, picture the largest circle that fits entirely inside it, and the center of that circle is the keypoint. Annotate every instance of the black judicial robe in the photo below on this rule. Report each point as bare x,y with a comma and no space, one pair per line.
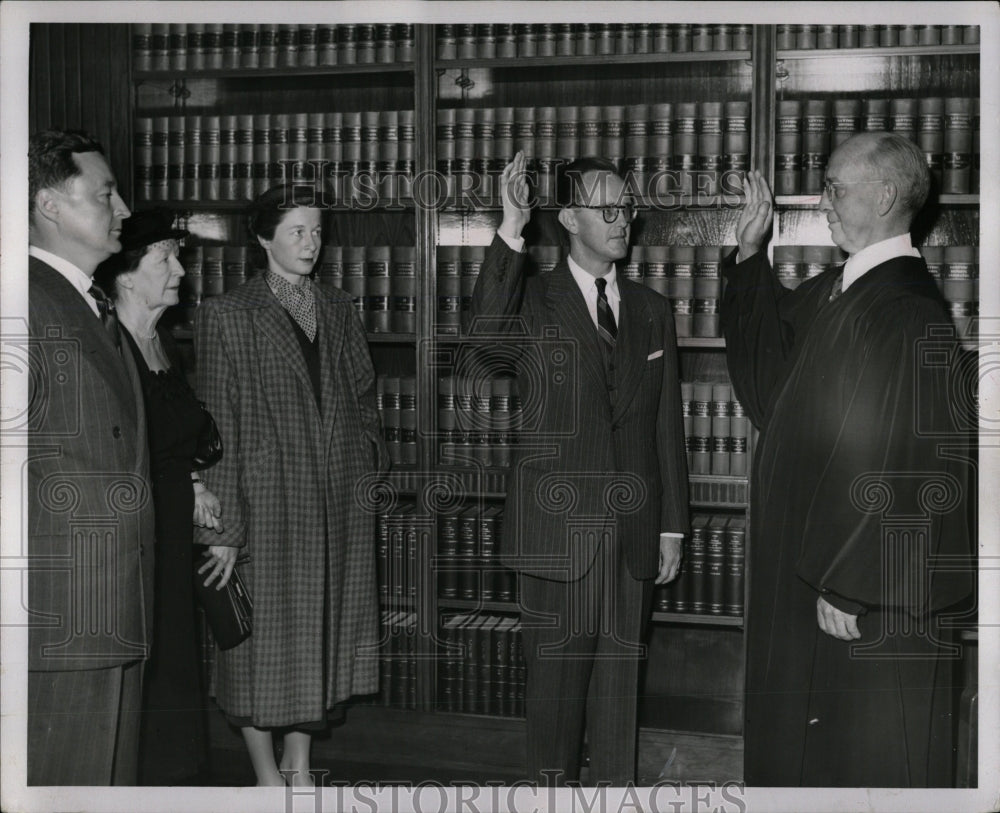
861,473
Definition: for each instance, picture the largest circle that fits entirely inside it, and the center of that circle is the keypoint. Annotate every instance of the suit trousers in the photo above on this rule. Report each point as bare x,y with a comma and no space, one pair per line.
83,726
583,648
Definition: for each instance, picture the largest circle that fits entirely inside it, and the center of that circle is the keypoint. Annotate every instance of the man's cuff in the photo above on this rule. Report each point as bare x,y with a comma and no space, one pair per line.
513,243
845,605
671,535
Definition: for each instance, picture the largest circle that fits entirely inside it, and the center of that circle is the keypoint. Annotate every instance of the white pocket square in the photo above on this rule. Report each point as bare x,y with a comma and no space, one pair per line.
654,355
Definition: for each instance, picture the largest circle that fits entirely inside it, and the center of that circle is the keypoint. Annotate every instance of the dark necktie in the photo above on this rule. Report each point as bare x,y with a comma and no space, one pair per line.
606,327
838,286
109,317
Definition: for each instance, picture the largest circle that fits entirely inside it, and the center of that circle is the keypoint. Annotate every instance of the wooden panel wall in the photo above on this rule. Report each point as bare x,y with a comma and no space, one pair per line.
79,80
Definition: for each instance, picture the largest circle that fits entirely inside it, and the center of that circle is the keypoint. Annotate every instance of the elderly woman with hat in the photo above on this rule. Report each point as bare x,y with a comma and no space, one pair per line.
143,281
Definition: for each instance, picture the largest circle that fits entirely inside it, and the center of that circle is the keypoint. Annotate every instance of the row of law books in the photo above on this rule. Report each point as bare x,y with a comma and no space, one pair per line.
480,666
346,155
507,40
668,147
396,402
808,37
690,276
218,46
381,280
478,419
712,577
397,661
715,429
467,565
946,129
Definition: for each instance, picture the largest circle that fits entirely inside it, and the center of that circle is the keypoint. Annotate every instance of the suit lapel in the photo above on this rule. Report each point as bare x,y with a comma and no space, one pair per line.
631,347
79,323
564,300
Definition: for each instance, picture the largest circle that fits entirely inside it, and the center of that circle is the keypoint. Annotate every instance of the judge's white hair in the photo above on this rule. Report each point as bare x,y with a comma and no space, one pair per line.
899,160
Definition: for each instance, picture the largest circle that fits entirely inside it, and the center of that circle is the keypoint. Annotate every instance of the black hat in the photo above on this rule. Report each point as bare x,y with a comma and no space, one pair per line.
145,228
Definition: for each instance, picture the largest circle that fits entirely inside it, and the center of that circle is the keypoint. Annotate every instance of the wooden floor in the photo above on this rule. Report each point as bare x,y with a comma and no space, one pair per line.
384,746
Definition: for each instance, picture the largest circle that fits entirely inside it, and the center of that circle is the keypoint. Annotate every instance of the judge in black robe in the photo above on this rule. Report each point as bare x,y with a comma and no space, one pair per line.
860,479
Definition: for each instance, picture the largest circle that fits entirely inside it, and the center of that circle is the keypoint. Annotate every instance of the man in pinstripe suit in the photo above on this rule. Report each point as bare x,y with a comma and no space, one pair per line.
90,522
597,496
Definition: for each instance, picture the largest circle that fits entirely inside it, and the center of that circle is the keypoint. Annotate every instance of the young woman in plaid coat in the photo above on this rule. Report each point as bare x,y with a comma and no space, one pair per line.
284,367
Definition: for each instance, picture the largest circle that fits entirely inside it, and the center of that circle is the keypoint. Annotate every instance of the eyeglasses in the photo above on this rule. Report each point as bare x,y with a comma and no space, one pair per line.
830,187
610,213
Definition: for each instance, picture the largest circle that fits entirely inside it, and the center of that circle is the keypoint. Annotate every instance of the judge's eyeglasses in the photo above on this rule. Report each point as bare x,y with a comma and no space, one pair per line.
830,187
610,213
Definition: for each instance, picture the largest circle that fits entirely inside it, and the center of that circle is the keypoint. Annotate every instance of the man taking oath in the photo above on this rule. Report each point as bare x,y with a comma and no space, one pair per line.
856,503
597,493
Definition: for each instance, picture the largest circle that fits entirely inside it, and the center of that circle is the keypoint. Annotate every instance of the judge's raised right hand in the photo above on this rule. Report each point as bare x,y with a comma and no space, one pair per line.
514,195
756,217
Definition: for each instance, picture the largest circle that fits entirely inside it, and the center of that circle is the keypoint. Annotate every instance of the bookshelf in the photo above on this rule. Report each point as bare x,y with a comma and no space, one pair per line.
702,102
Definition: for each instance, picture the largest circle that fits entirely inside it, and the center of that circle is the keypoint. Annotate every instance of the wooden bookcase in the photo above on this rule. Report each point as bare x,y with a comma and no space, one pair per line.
694,677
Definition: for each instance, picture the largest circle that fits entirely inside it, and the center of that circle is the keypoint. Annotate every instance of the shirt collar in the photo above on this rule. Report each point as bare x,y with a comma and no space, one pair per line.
865,260
585,280
76,276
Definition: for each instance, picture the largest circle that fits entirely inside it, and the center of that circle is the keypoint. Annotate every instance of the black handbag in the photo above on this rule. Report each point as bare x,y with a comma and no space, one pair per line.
208,452
229,611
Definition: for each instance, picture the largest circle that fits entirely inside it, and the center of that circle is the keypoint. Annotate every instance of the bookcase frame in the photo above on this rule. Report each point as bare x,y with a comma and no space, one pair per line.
766,63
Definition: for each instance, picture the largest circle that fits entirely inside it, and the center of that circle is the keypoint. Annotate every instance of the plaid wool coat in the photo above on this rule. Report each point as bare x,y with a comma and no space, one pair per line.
287,484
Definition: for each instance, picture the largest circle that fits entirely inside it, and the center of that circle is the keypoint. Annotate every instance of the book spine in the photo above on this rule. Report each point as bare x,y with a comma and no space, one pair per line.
816,146
487,556
411,565
685,159
739,429
715,566
378,316
213,279
408,420
468,555
735,566
382,555
721,431
447,419
695,573
234,267
710,148
788,150
391,426
447,548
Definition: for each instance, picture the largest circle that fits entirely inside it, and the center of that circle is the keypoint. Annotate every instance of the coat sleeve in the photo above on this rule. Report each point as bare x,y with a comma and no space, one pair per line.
217,387
499,290
356,346
905,502
758,334
670,439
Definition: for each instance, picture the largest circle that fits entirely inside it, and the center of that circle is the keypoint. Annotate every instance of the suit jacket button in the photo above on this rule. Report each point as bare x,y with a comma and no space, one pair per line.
116,432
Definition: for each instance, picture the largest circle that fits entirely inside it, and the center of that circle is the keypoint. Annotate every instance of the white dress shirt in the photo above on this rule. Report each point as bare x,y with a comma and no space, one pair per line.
74,276
588,288
859,264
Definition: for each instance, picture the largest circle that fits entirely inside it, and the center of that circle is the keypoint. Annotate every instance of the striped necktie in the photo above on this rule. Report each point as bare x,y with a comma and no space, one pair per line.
838,286
606,327
109,316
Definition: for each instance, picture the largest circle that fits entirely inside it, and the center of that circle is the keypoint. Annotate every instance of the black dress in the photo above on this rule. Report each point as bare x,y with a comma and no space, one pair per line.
172,745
